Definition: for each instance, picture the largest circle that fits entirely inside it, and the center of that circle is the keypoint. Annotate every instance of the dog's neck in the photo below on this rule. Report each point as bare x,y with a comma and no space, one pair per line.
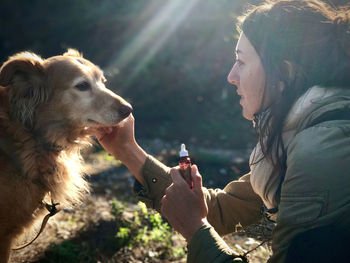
57,135
47,145
49,158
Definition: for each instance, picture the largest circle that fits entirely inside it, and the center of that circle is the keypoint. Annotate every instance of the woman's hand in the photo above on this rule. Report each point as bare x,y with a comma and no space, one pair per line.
185,208
117,139
120,142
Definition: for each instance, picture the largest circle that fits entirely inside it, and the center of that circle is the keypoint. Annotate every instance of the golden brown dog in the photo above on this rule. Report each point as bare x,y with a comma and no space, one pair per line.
47,108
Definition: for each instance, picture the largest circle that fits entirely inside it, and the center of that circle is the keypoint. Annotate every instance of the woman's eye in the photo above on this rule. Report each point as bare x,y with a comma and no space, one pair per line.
239,63
83,86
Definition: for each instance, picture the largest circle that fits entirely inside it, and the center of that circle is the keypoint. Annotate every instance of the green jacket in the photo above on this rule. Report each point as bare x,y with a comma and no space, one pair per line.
314,193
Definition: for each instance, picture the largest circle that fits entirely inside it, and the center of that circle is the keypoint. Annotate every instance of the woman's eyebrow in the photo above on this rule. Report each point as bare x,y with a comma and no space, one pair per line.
239,52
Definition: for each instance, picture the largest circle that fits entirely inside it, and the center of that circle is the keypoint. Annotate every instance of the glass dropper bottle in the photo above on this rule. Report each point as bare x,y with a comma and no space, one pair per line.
185,165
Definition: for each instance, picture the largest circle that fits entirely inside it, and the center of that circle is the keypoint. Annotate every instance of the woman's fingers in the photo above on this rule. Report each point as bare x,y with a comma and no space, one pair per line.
196,178
183,207
170,210
102,132
178,180
177,177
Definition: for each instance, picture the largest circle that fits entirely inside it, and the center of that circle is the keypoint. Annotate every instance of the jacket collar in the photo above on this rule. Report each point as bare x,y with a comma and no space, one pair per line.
316,101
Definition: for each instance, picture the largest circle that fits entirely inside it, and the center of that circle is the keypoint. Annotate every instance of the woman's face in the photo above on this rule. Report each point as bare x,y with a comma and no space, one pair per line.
248,75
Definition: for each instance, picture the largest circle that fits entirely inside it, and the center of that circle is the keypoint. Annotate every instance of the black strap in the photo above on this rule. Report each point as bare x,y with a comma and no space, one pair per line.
52,211
338,114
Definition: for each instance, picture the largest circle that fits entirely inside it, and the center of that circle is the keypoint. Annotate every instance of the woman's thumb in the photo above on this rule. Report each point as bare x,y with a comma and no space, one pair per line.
196,177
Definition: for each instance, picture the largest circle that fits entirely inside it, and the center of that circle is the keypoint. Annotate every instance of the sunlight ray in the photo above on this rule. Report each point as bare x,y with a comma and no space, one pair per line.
153,36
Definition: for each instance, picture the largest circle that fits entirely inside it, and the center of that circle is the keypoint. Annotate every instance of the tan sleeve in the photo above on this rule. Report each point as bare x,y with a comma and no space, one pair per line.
236,203
157,178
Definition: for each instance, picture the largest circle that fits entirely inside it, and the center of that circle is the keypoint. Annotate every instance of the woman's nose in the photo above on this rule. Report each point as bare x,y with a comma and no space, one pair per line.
233,77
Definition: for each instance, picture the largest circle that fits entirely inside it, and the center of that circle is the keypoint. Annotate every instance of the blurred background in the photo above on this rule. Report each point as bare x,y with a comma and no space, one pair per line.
170,59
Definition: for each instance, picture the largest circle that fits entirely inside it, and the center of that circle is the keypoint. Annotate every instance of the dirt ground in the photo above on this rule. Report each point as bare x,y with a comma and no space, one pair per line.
88,227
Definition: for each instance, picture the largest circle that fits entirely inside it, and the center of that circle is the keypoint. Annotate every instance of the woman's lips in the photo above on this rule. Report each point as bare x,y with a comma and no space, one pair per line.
241,99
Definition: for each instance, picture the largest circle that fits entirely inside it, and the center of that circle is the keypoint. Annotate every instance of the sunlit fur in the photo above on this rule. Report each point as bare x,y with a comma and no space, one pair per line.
44,123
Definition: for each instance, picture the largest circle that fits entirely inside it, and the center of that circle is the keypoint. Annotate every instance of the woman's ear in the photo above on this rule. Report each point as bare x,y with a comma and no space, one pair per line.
25,77
288,70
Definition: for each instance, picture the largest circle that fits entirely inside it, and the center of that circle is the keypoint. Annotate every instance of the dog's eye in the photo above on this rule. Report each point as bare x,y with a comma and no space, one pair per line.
83,86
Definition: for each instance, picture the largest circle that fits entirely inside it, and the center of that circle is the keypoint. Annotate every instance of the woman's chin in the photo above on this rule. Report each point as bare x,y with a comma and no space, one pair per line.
247,115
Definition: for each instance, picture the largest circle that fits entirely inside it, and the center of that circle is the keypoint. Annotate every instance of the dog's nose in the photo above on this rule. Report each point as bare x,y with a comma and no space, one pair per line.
125,110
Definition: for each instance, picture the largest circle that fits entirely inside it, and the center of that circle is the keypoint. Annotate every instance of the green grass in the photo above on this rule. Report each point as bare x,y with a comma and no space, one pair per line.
145,228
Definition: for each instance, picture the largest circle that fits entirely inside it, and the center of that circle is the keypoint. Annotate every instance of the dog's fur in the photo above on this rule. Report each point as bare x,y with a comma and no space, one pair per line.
47,111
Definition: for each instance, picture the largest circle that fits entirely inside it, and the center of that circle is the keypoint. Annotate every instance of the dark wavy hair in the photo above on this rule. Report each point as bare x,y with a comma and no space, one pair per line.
301,43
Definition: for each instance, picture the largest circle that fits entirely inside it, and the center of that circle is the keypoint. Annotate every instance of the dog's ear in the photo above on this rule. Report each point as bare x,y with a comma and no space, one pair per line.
25,77
73,53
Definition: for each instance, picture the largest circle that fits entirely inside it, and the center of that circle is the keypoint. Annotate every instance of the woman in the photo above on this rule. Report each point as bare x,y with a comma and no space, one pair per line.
293,76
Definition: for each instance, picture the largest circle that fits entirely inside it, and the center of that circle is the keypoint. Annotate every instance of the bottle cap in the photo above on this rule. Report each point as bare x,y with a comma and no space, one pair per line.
183,152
